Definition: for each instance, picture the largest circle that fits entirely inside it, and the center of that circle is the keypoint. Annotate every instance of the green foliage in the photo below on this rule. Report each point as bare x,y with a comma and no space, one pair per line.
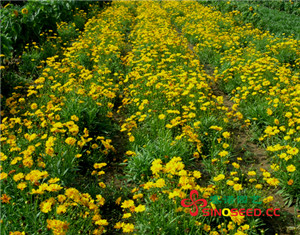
278,17
22,24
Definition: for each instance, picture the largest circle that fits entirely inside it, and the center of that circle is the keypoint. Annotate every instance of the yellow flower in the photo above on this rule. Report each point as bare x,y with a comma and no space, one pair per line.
74,118
206,227
22,186
223,153
288,114
268,199
293,151
291,168
70,141
140,208
236,165
266,174
18,177
237,187
219,177
269,112
245,227
46,205
24,11
140,195
251,173
162,116
238,219
217,128
273,181
118,200
127,204
102,222
99,165
226,135
127,228
61,209
118,225
225,145
160,183
131,138
126,215
33,106
197,174
58,227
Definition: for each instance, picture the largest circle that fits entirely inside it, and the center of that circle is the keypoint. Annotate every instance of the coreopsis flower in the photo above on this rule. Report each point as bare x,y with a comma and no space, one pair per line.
137,196
70,141
127,228
22,186
18,177
291,168
223,153
237,187
268,199
3,175
226,135
140,208
126,215
5,198
127,204
99,165
119,225
61,209
24,11
46,206
160,183
161,116
238,219
251,173
102,222
293,151
58,227
273,181
118,201
219,177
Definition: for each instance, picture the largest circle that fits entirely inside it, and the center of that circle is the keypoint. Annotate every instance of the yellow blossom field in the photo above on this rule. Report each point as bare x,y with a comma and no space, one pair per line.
161,117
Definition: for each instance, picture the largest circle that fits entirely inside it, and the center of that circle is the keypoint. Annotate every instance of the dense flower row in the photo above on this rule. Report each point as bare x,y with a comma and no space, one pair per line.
261,73
173,114
58,125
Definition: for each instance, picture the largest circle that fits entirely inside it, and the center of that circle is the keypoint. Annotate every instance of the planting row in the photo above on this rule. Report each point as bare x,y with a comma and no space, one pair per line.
59,131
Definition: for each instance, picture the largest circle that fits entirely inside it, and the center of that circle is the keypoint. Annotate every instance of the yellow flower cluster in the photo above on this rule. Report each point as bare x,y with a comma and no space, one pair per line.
46,131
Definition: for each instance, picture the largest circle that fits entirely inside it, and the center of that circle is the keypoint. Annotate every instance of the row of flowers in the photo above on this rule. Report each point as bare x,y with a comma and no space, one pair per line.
178,133
261,74
56,128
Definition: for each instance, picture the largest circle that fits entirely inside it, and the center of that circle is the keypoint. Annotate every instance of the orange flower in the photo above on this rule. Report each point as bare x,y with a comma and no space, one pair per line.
290,182
5,198
154,197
